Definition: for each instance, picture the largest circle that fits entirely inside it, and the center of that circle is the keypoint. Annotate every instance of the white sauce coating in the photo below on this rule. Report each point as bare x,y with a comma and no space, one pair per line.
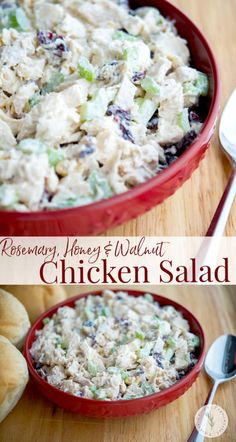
114,346
92,100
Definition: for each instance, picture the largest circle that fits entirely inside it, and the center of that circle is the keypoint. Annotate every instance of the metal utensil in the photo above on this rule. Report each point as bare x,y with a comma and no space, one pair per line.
227,135
220,365
208,252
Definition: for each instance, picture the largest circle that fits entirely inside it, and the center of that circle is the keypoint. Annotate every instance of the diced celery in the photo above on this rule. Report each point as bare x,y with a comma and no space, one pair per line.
113,370
63,345
137,55
131,55
169,352
56,79
148,297
97,107
100,394
70,202
35,99
125,375
183,121
171,342
99,185
124,340
190,89
55,155
146,109
198,87
92,368
149,85
46,321
14,17
194,341
145,351
140,335
105,312
202,84
120,35
30,146
187,358
86,69
147,388
19,20
132,396
88,313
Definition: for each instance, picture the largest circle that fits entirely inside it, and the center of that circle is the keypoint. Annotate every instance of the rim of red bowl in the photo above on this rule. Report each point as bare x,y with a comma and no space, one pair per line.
70,301
171,170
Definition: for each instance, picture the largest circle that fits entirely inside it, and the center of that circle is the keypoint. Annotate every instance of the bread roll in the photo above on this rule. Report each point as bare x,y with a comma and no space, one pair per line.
14,319
13,376
36,298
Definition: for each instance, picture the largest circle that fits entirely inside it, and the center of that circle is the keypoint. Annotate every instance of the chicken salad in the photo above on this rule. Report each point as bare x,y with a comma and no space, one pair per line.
114,346
95,99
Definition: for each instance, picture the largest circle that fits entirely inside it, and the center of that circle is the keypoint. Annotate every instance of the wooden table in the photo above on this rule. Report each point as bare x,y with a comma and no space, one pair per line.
190,210
36,420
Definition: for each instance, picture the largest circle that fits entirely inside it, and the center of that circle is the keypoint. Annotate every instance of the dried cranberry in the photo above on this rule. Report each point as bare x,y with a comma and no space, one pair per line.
123,118
123,30
193,116
124,3
119,112
6,5
179,147
152,54
139,371
127,135
192,356
44,37
87,151
185,371
153,124
186,141
158,359
38,366
138,76
52,42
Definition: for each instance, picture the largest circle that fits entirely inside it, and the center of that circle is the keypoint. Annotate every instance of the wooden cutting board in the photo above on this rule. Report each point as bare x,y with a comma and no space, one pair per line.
190,210
36,420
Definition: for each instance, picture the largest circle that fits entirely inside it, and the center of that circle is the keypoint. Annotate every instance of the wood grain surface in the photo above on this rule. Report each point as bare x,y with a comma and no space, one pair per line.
36,420
190,210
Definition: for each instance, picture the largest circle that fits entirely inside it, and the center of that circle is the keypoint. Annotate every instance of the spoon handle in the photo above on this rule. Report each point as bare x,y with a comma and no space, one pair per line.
195,435
220,218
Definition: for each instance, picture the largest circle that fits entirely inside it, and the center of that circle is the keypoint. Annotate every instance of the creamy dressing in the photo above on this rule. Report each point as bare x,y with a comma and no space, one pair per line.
114,346
91,99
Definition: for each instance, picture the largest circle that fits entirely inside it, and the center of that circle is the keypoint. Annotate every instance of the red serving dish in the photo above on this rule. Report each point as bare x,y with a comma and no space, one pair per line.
97,217
120,408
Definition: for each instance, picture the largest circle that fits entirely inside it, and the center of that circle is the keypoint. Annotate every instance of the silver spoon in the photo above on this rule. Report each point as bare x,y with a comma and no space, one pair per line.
208,251
220,365
227,135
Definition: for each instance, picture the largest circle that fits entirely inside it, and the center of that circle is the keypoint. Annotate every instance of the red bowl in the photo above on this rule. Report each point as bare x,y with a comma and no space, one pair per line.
120,408
97,217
